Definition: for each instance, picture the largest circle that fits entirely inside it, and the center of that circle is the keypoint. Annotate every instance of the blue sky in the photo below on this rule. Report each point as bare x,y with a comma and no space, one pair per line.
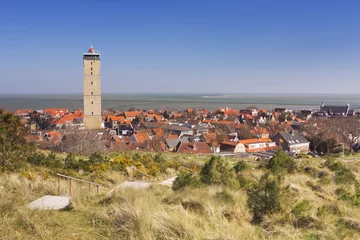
195,46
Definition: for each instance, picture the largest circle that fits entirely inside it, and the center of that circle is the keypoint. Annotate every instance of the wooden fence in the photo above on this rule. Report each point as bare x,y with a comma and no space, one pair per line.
76,179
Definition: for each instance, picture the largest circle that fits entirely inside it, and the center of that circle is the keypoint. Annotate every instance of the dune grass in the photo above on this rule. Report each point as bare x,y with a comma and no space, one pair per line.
311,209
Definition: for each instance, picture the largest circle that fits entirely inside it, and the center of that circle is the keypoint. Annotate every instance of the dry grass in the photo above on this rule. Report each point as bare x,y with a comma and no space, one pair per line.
211,212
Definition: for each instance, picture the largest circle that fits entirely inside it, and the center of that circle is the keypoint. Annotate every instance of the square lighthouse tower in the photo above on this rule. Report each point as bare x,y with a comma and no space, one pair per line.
92,90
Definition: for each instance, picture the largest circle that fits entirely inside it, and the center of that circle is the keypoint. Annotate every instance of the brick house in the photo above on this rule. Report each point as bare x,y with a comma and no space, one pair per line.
292,142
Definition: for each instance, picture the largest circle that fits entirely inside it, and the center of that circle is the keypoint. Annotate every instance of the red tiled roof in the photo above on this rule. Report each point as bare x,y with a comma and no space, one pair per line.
231,143
172,136
56,111
158,131
254,140
117,118
23,111
131,114
200,147
141,137
260,149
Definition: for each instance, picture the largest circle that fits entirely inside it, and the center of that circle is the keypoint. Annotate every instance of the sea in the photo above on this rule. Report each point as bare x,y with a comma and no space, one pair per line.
124,101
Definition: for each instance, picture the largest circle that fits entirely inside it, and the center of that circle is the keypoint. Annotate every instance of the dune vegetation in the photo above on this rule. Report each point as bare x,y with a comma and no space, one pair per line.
213,198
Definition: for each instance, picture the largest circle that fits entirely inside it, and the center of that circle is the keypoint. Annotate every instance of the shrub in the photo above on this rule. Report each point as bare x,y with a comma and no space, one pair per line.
332,164
344,176
42,160
280,162
185,179
244,182
97,158
264,197
225,196
240,166
301,208
218,172
70,162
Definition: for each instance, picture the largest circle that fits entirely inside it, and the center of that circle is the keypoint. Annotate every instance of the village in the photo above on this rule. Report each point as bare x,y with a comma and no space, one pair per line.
250,132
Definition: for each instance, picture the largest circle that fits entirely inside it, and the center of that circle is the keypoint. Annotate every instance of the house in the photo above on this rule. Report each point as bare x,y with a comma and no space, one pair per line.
335,111
193,148
54,137
55,112
172,143
125,129
131,115
248,145
173,128
260,132
292,142
320,115
140,137
23,112
114,121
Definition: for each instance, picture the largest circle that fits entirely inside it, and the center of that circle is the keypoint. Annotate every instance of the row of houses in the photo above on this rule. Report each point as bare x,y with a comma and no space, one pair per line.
192,131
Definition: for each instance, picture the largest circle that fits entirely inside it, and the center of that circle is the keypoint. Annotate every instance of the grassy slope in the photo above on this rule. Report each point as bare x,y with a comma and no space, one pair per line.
160,213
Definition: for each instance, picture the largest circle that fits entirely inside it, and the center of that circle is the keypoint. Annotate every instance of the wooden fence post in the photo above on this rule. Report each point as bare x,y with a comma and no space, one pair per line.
70,185
59,185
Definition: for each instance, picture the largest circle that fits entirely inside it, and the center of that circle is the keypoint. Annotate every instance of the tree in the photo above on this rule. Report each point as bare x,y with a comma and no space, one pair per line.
318,131
274,127
231,116
14,149
218,172
264,197
245,132
349,129
280,162
44,122
259,131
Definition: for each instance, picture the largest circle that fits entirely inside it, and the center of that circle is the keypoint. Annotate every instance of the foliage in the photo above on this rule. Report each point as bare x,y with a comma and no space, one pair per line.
185,180
218,172
240,166
343,175
13,146
40,159
225,196
280,162
264,197
301,209
343,194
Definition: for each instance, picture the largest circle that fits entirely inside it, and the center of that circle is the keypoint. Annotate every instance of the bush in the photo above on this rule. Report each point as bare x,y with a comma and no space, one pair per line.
97,158
264,197
225,196
332,164
301,208
244,182
70,162
184,180
280,162
218,172
344,176
42,160
240,166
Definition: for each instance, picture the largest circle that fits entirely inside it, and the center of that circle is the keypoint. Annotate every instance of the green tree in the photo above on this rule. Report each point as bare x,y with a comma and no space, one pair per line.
14,149
218,172
281,162
184,180
264,197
